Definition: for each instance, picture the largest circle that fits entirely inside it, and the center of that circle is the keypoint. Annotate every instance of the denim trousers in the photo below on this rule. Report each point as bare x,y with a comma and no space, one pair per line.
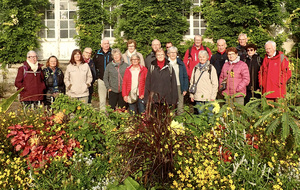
137,107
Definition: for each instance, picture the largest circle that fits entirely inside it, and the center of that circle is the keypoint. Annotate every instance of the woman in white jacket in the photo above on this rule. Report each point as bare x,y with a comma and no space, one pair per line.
78,77
205,78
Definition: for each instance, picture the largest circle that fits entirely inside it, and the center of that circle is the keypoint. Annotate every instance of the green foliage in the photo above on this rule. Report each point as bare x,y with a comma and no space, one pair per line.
20,21
5,104
90,20
227,19
128,184
145,21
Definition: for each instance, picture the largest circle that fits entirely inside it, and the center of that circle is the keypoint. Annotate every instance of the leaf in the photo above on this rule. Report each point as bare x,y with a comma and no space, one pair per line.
25,151
285,126
131,184
272,127
7,102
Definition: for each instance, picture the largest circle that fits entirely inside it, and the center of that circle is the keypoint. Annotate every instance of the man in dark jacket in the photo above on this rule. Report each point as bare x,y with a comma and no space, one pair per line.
151,57
31,78
218,59
87,53
241,48
101,60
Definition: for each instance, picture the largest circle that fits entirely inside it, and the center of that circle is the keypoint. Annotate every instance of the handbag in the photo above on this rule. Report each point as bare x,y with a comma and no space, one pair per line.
223,85
193,88
133,94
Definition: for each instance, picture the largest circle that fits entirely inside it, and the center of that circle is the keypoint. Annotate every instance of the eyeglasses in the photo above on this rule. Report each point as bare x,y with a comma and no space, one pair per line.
250,50
134,59
32,57
88,52
230,54
131,46
160,55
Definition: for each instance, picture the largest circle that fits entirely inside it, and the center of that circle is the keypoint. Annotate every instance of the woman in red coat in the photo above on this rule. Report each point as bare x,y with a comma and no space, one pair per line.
133,86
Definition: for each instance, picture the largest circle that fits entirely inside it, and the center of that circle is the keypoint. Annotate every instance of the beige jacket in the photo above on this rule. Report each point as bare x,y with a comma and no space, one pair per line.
77,80
126,58
207,87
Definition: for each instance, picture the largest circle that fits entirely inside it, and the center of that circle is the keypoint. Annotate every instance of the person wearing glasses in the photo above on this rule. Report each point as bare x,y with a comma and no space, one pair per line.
113,79
87,53
133,87
131,49
161,85
31,78
236,75
241,48
253,60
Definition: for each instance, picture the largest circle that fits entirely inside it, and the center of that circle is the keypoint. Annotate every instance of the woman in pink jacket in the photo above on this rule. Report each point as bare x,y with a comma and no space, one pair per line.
133,86
236,74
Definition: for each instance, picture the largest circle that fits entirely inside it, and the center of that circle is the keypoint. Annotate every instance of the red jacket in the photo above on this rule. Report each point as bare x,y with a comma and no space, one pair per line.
274,74
33,83
191,62
126,86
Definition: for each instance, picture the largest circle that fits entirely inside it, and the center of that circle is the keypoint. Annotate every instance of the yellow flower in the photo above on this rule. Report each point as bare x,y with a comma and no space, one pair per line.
216,107
171,175
270,164
180,153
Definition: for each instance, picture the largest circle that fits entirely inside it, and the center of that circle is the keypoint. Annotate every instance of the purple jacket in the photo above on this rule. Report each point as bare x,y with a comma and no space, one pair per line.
237,75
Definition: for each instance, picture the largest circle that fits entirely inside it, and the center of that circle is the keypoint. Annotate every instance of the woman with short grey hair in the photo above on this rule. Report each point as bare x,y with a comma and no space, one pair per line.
182,79
113,79
204,80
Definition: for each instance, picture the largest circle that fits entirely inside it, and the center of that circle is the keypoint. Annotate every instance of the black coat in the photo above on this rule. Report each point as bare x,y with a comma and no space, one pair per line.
49,80
161,82
218,60
254,64
101,60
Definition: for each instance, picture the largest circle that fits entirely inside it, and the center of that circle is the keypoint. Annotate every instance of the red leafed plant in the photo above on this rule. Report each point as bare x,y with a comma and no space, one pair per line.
251,139
40,148
225,154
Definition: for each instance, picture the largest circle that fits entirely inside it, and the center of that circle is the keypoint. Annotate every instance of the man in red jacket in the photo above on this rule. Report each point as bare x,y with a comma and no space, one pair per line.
191,55
274,72
31,78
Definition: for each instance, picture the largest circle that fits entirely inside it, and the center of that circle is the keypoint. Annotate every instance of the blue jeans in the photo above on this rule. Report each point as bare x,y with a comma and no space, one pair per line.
137,107
201,103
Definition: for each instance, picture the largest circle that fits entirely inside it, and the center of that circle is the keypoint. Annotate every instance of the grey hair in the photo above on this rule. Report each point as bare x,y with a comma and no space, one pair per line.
135,55
198,36
272,43
221,40
242,34
88,48
114,51
172,48
104,39
203,52
31,51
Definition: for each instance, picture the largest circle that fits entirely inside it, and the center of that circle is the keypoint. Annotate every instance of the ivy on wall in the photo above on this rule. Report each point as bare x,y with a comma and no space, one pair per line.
20,21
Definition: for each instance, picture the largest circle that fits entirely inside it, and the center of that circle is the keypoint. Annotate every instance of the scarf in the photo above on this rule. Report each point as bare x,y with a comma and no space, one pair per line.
34,67
161,64
235,61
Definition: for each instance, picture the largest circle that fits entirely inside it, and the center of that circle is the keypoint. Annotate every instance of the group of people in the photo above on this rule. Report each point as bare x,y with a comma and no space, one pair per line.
129,80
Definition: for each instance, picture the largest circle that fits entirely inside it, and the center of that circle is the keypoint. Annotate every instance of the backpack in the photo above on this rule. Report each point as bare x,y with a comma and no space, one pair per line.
209,71
170,69
26,71
190,50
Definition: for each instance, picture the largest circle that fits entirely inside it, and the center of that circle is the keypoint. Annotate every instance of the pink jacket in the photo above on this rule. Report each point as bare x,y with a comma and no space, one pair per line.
126,86
274,74
237,75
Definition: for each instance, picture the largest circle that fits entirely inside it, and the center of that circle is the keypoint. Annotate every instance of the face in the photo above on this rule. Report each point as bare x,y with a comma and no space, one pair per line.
168,45
105,45
131,47
87,53
77,57
160,56
198,41
202,59
243,40
52,62
221,45
251,51
172,55
117,57
32,57
270,50
156,45
232,56
135,60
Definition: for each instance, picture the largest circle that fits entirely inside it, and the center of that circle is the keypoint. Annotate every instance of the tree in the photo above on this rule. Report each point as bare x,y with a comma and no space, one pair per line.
90,21
20,21
257,18
144,21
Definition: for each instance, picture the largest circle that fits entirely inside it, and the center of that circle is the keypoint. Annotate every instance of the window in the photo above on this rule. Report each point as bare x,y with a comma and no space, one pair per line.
108,29
59,20
197,24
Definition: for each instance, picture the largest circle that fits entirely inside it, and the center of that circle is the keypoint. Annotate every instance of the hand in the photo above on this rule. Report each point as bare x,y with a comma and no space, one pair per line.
88,85
192,99
212,100
184,93
125,98
109,90
258,90
142,97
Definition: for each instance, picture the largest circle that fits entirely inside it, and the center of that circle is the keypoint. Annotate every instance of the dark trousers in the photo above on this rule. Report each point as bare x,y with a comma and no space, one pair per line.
116,98
249,96
91,90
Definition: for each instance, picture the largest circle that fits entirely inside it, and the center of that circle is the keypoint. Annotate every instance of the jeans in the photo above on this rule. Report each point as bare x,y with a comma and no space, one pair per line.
137,107
201,103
